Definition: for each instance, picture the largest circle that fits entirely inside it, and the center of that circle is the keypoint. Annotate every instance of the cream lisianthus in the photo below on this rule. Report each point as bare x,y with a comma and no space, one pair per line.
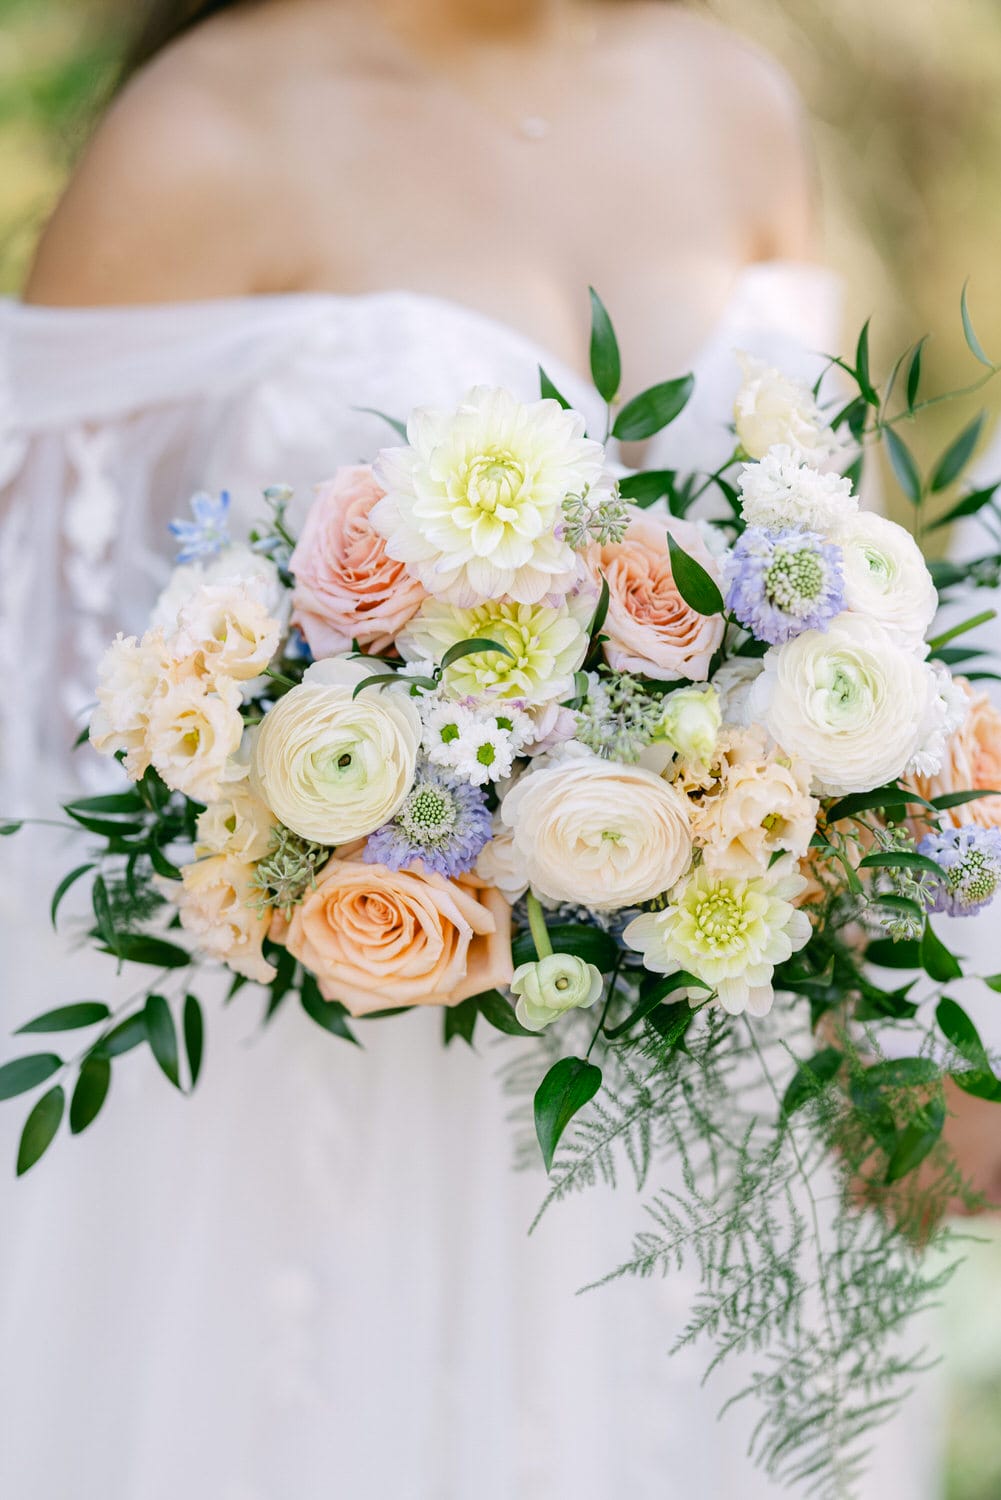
227,627
547,644
473,504
597,833
238,824
728,932
333,767
772,409
549,988
762,806
234,565
194,727
852,701
127,679
215,902
886,577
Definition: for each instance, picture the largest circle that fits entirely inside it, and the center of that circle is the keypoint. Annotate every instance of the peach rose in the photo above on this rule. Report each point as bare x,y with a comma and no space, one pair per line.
650,628
972,761
378,938
346,585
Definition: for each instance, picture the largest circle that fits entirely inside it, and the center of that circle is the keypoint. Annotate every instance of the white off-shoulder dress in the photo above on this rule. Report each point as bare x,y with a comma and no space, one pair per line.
312,1280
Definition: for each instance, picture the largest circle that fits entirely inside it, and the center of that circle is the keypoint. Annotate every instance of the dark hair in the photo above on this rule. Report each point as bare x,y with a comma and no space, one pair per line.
163,21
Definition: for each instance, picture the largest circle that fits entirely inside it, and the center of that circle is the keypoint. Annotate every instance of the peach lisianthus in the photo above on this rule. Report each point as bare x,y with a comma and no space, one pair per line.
377,938
972,762
215,902
762,807
649,626
347,587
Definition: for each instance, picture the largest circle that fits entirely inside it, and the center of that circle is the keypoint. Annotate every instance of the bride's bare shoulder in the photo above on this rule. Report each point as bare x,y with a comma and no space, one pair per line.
173,164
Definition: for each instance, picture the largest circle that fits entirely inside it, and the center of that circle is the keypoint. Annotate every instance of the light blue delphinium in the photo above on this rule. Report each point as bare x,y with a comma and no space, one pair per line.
444,823
780,583
970,858
208,533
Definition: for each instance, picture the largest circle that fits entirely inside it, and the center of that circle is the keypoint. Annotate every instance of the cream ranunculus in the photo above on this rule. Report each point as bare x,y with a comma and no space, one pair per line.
216,903
332,767
377,938
597,833
886,577
473,504
850,701
547,644
194,727
772,409
549,988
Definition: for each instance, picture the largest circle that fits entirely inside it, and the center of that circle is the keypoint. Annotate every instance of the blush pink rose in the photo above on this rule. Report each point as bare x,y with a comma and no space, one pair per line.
650,628
972,762
377,938
347,587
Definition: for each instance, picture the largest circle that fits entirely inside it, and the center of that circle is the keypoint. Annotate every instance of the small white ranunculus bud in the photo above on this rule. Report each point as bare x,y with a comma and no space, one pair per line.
691,723
772,409
549,988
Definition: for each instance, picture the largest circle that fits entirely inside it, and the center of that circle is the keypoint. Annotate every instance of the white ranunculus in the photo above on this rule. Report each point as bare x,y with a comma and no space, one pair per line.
691,723
235,564
780,491
597,833
500,865
549,988
850,701
733,682
771,409
886,577
473,504
331,767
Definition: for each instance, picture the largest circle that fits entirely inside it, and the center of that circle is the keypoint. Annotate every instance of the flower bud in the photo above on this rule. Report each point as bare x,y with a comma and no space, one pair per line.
552,986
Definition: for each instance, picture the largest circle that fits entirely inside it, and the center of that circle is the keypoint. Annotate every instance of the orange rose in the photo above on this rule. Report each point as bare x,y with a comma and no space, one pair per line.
972,762
378,938
346,586
649,626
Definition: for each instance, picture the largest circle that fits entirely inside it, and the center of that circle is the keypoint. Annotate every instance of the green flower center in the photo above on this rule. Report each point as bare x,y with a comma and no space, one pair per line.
486,755
794,581
973,879
720,918
494,482
428,814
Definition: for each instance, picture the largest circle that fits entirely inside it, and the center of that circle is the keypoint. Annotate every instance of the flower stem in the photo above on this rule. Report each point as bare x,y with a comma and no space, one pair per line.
537,926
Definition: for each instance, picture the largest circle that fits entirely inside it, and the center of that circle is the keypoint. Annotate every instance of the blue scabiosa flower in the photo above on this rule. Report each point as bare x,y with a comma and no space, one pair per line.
443,822
971,868
208,533
780,583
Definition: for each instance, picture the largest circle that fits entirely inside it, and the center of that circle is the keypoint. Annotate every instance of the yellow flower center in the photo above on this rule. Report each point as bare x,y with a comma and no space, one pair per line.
720,917
494,481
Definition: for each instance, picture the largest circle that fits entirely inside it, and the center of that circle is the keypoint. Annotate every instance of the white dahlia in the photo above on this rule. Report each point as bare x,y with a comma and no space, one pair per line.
472,505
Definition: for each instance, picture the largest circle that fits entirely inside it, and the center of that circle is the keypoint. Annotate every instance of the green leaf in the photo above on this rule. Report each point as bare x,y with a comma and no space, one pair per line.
26,1073
671,1022
862,366
156,952
68,1018
983,618
104,827
330,1014
890,955
567,1087
957,799
377,679
549,391
654,995
693,582
957,1027
993,982
914,374
653,409
123,1038
900,859
903,465
496,1011
162,1034
90,1093
63,887
600,611
102,914
891,795
400,428
968,505
647,486
980,1085
120,803
810,1078
972,342
6,829
936,960
903,1073
957,455
587,943
40,1129
916,1140
470,648
161,864
194,1036
606,365
460,1020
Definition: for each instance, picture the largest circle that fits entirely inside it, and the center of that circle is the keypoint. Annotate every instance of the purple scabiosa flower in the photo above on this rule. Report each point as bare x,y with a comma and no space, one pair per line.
208,533
970,858
780,583
443,822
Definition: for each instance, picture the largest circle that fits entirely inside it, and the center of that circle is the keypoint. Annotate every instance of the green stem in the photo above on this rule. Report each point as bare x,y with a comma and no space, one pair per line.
612,982
537,926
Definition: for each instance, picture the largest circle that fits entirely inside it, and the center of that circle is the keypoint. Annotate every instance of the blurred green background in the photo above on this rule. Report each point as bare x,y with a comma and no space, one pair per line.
902,97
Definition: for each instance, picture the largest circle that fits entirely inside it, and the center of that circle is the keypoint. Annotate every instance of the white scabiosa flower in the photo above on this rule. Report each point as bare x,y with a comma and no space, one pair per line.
474,503
886,577
547,644
772,409
727,931
850,701
780,491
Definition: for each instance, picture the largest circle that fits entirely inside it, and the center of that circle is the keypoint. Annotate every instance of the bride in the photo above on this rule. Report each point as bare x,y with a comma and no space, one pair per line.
313,1278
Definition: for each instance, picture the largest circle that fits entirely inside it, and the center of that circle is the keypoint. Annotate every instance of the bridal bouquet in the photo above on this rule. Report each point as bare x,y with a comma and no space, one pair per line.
669,773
